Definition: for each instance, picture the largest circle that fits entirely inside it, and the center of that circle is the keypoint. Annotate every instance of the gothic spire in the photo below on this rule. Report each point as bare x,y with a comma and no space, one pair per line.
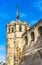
17,14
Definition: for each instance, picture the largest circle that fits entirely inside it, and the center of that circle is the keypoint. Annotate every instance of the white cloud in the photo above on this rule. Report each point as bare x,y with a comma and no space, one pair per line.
2,47
38,4
2,58
22,15
2,53
33,22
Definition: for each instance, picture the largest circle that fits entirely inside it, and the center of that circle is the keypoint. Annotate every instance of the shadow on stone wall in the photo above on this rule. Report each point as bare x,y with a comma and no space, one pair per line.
36,58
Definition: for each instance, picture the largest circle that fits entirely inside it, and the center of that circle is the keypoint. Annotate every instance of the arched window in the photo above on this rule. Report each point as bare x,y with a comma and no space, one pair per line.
12,29
20,29
40,30
26,40
32,36
9,29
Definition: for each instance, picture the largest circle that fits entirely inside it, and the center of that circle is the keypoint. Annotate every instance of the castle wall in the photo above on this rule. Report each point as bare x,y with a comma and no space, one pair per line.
36,35
20,39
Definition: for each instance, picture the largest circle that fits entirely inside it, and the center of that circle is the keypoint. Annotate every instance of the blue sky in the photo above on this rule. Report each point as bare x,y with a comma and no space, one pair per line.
29,10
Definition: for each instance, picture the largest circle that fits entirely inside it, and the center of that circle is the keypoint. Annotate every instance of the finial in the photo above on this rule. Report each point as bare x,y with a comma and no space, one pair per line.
17,14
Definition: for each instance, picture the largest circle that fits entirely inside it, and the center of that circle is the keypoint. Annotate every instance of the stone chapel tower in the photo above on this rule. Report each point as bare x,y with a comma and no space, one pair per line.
14,40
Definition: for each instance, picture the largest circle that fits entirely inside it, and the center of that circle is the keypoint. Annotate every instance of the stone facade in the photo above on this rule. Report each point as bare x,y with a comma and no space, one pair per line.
15,31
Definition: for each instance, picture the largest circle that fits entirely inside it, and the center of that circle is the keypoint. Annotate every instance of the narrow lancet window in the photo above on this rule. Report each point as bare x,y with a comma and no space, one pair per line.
20,28
26,40
12,29
40,31
9,29
32,36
